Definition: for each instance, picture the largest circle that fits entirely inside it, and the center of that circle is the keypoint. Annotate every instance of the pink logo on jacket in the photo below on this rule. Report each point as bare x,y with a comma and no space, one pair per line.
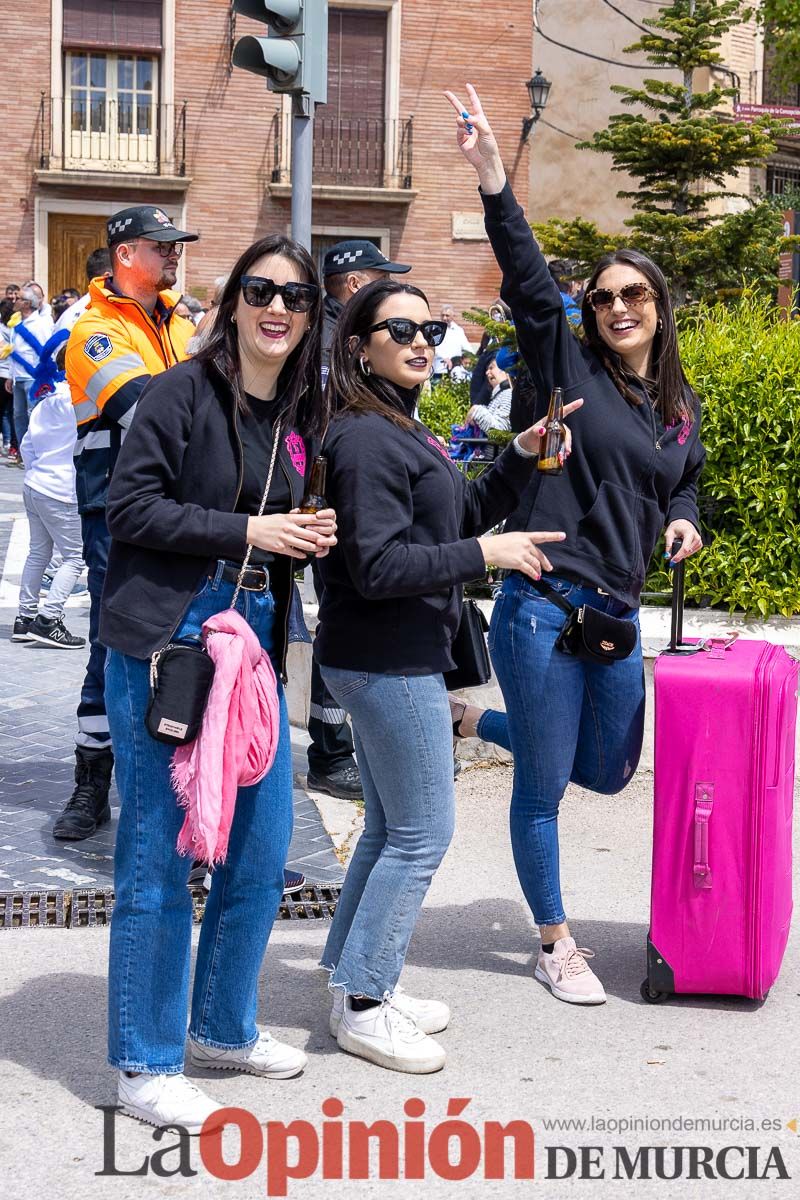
438,446
297,452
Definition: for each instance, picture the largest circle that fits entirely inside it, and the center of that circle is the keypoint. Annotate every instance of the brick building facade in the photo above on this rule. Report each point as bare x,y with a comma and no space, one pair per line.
114,102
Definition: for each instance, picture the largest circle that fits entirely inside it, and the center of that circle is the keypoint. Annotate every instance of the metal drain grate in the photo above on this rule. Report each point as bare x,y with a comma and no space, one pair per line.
87,908
33,910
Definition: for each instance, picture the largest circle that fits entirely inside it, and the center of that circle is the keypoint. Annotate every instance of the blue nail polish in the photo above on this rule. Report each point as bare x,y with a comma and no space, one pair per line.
469,127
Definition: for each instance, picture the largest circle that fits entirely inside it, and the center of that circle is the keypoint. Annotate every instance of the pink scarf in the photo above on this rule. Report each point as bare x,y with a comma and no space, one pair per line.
237,740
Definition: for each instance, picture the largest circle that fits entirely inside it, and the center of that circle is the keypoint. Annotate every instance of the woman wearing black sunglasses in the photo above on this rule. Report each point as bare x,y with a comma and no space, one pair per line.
411,535
183,505
633,471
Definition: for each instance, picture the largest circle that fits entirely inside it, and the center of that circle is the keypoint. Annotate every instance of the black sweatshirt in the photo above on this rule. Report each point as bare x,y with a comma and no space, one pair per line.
623,482
408,526
171,509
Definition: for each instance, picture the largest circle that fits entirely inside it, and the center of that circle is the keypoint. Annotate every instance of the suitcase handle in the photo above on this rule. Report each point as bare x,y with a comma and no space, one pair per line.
676,643
703,806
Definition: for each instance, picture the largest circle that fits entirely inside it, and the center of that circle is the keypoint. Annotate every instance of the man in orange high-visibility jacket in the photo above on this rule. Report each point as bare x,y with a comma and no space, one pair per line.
128,334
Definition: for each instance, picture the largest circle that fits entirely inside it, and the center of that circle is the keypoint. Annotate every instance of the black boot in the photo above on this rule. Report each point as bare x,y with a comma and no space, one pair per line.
88,805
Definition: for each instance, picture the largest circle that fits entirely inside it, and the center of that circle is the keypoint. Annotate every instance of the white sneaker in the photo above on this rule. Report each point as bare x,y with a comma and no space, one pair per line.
166,1100
431,1016
267,1057
568,975
388,1037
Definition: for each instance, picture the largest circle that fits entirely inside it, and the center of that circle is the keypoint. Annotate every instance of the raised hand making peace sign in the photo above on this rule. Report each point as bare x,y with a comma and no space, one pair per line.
477,142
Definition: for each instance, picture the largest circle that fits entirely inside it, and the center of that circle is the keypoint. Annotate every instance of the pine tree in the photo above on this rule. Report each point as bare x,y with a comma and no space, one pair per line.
681,149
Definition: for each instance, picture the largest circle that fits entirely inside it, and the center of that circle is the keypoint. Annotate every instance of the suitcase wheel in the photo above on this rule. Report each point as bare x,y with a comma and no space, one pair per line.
651,995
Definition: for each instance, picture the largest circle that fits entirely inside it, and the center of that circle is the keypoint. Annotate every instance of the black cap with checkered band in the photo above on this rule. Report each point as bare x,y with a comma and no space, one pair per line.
145,221
358,255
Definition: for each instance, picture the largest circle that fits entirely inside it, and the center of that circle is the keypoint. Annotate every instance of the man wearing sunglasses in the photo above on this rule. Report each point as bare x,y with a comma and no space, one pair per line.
347,267
128,334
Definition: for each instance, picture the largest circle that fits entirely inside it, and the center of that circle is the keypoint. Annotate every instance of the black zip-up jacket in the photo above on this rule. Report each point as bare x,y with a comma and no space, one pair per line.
171,509
625,480
407,540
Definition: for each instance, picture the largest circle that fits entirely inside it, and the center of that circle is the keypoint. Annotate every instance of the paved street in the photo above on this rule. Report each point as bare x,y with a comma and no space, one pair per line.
39,688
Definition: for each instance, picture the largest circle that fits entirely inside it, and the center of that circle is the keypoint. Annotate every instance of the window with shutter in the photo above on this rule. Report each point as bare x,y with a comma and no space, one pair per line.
113,24
350,131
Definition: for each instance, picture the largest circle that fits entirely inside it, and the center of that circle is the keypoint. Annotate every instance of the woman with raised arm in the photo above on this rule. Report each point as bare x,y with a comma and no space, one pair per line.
633,472
412,531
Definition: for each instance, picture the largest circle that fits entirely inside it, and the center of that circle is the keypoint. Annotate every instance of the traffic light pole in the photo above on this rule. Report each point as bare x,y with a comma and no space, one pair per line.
302,166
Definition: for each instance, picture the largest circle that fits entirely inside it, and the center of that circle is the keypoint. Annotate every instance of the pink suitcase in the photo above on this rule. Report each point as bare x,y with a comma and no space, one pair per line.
721,899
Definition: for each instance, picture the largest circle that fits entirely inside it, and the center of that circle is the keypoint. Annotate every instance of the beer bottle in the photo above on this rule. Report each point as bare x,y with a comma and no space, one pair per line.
553,445
314,499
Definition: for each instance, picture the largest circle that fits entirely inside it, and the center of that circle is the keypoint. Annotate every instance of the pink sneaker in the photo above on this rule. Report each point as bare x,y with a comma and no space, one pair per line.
568,975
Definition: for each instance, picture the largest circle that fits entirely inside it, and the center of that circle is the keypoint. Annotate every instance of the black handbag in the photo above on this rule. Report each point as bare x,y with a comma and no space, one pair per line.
469,650
587,633
180,679
182,672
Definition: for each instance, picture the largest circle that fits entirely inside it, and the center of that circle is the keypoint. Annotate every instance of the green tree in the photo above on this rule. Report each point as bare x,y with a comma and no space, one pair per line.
781,20
681,150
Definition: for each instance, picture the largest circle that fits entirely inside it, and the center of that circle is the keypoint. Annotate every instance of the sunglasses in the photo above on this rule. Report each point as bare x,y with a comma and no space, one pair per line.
260,292
403,331
631,295
165,249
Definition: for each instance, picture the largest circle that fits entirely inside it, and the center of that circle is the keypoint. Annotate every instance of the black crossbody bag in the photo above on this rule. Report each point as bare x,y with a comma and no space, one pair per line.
587,633
469,651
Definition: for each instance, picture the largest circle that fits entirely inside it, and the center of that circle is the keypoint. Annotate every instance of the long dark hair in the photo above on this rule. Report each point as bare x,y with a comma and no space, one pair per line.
349,389
300,379
672,395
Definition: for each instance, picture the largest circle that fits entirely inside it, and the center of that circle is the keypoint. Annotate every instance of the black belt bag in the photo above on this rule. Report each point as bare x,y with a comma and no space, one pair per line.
587,633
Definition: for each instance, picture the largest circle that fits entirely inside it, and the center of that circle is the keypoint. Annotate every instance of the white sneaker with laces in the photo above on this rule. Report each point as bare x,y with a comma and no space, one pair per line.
388,1037
431,1016
268,1057
166,1100
568,975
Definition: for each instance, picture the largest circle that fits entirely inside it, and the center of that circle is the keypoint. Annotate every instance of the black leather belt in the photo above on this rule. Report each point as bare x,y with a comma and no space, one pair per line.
255,579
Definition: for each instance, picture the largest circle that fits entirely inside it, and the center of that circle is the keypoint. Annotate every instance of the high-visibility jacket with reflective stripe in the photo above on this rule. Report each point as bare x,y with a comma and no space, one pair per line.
113,351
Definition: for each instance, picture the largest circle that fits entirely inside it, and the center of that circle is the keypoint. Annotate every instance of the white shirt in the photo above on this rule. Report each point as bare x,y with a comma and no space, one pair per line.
41,326
48,446
71,314
454,343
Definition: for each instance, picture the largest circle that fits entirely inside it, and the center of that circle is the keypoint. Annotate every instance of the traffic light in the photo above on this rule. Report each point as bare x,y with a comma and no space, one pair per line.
294,56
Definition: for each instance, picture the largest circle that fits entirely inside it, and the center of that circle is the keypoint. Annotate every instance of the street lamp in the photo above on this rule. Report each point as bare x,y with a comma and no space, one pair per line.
538,92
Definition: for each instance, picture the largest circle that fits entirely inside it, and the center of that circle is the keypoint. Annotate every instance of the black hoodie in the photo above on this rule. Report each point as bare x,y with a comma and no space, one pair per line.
408,526
625,479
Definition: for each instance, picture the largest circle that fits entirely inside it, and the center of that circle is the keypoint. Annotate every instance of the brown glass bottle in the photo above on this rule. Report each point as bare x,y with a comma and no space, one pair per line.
553,444
314,499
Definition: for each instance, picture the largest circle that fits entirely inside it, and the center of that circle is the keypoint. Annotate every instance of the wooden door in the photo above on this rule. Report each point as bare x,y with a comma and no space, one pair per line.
71,238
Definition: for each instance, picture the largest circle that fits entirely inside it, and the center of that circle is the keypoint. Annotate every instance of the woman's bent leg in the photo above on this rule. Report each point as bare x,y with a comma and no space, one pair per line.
404,729
543,691
612,725
245,894
152,923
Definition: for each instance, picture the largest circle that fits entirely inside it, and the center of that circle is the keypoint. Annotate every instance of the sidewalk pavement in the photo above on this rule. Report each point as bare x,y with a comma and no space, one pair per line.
516,1052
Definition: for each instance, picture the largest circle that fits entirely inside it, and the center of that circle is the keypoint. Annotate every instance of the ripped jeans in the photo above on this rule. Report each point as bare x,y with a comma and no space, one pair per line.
567,722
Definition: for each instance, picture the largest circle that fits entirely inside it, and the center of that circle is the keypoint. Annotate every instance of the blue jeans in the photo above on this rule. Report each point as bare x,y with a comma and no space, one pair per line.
151,930
92,720
403,738
22,407
567,722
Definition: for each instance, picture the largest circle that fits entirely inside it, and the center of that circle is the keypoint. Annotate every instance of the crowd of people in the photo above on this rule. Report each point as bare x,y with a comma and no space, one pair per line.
193,454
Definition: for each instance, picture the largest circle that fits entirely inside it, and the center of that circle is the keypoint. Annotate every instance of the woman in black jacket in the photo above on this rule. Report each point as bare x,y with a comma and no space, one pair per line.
410,536
182,507
633,471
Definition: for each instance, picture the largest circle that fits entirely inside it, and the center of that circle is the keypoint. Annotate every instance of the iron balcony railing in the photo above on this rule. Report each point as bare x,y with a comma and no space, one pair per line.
112,134
350,151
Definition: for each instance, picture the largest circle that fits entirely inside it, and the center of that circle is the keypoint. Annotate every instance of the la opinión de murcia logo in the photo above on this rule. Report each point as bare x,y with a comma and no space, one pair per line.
452,1149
